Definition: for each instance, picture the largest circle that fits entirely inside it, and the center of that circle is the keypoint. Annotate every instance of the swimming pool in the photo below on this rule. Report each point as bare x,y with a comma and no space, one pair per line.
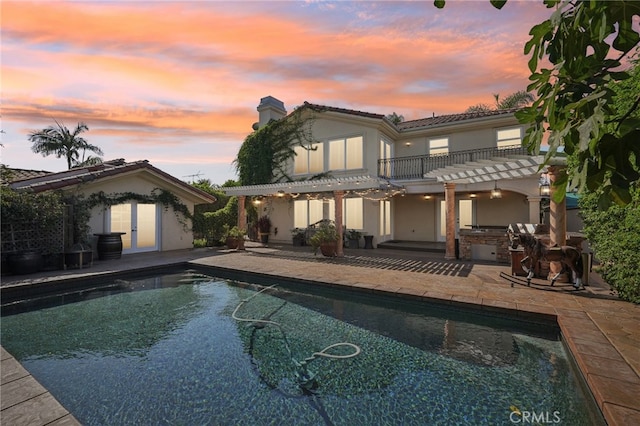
172,349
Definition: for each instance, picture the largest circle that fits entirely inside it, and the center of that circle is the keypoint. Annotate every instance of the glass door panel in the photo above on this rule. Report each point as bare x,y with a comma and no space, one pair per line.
121,222
146,229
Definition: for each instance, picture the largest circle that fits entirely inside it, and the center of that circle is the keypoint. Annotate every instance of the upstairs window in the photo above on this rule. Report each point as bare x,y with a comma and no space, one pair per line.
345,153
385,155
308,161
438,146
508,138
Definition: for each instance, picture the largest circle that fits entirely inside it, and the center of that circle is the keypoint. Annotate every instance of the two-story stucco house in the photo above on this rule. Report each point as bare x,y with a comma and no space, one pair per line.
419,180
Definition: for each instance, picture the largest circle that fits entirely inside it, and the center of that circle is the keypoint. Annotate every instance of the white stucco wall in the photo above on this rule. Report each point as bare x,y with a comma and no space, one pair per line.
172,235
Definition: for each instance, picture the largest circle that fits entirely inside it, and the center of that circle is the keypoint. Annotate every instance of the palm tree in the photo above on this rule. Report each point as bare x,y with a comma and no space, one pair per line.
517,99
395,118
60,141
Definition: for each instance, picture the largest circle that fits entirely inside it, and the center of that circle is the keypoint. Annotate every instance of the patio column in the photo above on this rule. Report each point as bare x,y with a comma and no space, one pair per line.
242,213
558,211
450,213
337,198
534,209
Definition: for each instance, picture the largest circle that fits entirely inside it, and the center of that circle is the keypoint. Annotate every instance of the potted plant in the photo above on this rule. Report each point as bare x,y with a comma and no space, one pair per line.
326,239
264,229
233,237
298,236
353,237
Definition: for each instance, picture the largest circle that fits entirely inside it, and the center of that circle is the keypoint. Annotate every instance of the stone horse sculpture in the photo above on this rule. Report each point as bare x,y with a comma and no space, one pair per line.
535,249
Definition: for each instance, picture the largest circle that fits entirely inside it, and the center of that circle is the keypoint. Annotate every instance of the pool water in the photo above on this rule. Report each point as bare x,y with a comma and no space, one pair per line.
166,350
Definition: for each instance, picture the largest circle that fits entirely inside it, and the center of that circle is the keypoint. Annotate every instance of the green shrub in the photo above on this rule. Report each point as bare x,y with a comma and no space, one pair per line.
214,222
199,243
31,221
614,235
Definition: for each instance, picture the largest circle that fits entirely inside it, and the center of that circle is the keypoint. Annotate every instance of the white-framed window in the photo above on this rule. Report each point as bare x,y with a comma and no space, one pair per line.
346,153
438,146
307,212
508,138
309,160
385,154
353,213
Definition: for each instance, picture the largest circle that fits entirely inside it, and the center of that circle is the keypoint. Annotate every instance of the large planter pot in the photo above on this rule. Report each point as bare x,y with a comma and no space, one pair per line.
329,249
298,240
354,243
235,243
110,245
264,238
27,262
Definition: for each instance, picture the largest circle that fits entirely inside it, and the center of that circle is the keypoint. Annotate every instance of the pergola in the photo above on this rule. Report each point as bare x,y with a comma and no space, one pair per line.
374,187
500,169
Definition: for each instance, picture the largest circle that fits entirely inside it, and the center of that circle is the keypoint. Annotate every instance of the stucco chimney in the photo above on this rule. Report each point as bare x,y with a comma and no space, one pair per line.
269,109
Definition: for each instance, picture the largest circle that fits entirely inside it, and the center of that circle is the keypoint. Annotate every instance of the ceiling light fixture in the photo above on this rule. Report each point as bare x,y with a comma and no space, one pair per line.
496,192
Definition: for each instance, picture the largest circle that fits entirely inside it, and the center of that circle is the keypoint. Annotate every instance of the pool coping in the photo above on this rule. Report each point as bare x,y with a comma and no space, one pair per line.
25,401
601,334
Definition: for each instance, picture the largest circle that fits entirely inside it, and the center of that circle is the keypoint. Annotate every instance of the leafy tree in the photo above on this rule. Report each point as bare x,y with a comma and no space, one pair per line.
589,45
518,99
61,142
395,118
230,183
263,156
265,153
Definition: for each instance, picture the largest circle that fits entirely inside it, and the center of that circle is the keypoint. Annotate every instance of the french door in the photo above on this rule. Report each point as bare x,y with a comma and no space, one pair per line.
464,217
139,221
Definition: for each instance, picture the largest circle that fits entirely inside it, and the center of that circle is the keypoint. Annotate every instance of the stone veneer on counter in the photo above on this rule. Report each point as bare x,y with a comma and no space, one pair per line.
481,244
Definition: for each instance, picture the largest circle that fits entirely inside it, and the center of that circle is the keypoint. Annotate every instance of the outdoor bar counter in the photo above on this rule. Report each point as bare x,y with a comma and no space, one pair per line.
485,243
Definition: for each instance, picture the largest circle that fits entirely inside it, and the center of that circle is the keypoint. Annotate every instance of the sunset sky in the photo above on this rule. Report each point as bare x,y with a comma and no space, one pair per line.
178,82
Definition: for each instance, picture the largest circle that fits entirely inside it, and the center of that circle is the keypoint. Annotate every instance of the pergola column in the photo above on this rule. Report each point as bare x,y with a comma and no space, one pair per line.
534,209
450,213
242,213
337,198
558,211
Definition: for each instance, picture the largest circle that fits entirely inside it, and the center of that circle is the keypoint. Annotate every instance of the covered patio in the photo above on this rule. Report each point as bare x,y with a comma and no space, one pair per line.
336,189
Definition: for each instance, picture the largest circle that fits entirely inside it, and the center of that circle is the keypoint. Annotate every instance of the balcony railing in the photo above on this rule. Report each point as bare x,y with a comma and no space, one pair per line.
404,168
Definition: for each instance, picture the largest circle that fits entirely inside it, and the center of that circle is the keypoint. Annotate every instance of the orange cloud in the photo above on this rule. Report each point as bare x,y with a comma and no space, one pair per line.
176,74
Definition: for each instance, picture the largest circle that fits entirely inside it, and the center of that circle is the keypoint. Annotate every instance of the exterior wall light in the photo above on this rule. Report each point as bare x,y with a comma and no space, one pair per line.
473,195
496,192
427,197
545,185
281,193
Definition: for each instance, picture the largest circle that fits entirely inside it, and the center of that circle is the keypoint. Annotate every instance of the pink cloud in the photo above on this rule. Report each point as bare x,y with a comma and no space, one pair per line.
174,74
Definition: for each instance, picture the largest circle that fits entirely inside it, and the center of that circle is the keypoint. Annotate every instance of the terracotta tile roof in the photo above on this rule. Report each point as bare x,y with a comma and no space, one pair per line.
322,108
13,175
451,118
414,124
77,176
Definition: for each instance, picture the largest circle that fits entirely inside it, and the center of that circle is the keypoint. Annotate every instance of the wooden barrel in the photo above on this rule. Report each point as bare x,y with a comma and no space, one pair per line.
109,246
